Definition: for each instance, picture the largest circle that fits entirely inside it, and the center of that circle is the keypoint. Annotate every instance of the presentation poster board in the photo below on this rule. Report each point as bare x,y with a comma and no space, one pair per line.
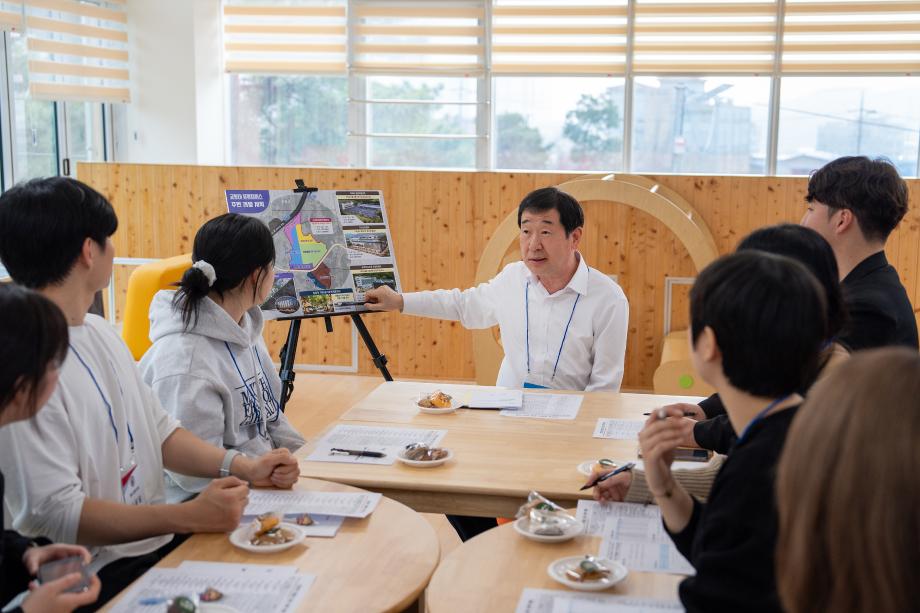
330,248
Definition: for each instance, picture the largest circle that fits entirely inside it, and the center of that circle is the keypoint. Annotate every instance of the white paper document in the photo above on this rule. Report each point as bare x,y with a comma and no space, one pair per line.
496,399
547,406
388,441
342,504
618,429
634,535
559,601
244,587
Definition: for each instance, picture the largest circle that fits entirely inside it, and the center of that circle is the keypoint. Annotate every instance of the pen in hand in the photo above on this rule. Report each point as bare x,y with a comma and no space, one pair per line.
624,468
357,452
658,413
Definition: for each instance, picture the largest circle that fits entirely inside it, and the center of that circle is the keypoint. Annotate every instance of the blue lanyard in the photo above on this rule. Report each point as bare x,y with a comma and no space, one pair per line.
269,385
527,324
105,401
251,389
760,416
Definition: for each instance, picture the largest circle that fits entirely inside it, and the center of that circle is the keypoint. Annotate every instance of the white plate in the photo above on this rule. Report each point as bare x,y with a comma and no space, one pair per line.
585,467
423,463
571,533
240,537
454,405
557,569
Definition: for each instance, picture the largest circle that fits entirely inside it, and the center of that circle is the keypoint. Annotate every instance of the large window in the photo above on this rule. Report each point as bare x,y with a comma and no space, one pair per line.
682,86
700,124
288,120
824,118
566,123
420,122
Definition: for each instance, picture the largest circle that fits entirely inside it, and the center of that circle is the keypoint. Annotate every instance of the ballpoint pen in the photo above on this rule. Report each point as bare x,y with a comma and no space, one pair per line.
622,469
357,452
686,414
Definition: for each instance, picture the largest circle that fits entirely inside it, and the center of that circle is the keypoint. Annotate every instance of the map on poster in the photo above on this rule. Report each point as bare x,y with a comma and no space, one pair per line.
330,247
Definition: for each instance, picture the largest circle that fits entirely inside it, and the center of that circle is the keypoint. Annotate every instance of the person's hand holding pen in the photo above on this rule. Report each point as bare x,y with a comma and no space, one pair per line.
612,489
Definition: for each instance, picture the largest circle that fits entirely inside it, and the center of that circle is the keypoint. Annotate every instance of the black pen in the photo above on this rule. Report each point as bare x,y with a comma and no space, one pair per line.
358,453
686,414
622,469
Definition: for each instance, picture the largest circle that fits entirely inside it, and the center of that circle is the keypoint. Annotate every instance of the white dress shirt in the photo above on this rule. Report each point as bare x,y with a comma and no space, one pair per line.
593,353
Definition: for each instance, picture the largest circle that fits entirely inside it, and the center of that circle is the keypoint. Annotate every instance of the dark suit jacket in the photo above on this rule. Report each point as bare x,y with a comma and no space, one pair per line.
880,311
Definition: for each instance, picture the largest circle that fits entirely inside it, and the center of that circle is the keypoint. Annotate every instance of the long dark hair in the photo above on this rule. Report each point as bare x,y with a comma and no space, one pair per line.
33,338
806,246
236,246
847,493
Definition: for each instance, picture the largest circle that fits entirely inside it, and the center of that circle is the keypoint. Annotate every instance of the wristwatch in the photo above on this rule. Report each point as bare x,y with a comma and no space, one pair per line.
228,459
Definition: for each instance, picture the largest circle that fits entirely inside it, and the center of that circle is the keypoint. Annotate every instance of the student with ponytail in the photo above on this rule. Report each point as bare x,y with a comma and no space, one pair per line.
208,365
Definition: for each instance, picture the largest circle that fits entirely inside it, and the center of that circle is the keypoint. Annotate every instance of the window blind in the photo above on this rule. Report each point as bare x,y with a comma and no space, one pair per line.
736,36
557,38
445,37
303,37
11,16
852,36
78,50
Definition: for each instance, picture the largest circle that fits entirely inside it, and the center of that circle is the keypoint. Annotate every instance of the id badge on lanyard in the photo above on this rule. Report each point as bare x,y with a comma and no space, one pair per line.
132,485
530,383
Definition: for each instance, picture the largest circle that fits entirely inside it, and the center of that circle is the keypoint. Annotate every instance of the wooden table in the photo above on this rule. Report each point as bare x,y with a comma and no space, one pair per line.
489,572
497,460
380,563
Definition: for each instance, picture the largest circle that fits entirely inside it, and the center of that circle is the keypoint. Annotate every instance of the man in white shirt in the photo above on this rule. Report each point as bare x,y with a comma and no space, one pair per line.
563,324
88,468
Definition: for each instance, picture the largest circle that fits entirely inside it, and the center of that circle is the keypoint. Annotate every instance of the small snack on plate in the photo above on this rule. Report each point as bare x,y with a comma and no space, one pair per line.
304,520
436,400
603,465
589,569
181,604
270,532
421,452
546,518
210,594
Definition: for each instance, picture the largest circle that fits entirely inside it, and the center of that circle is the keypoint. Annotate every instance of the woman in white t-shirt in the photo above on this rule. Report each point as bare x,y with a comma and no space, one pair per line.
209,365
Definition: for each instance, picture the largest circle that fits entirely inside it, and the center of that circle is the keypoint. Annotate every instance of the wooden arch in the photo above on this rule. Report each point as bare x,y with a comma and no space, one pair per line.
638,192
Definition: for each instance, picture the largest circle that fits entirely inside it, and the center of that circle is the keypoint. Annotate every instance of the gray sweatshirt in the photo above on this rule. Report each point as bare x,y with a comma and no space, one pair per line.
218,380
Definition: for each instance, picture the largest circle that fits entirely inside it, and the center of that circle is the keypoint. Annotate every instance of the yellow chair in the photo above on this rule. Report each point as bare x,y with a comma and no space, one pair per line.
145,281
675,374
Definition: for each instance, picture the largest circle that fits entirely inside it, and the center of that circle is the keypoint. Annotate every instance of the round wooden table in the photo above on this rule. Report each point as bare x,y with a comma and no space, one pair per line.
380,563
489,572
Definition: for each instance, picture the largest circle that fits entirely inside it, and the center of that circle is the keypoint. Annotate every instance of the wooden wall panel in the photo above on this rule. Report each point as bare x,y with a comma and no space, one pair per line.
441,222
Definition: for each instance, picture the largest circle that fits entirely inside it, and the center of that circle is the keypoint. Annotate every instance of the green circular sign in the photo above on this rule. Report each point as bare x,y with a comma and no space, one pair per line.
685,382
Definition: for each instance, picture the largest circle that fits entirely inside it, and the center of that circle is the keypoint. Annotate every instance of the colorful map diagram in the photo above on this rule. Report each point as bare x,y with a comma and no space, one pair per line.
309,252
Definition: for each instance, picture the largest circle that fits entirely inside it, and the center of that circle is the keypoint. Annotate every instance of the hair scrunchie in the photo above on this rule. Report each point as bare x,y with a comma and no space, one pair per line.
208,271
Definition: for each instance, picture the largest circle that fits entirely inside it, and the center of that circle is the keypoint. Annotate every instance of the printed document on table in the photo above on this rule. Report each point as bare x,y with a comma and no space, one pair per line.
558,601
496,399
618,429
388,441
243,588
634,535
342,504
547,406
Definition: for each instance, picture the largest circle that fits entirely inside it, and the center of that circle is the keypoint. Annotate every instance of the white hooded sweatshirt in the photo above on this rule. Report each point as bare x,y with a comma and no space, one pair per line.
218,380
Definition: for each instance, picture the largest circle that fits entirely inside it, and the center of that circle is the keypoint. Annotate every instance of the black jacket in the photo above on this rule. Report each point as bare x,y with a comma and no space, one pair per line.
880,311
731,539
13,575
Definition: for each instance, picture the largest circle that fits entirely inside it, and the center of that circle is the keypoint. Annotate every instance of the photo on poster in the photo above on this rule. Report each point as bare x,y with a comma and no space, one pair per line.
369,277
368,246
283,295
360,208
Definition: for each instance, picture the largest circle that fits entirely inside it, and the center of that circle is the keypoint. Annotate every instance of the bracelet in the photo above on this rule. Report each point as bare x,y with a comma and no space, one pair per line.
228,460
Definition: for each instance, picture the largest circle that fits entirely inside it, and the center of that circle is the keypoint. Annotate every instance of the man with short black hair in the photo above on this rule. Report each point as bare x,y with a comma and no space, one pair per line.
563,324
88,468
855,203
